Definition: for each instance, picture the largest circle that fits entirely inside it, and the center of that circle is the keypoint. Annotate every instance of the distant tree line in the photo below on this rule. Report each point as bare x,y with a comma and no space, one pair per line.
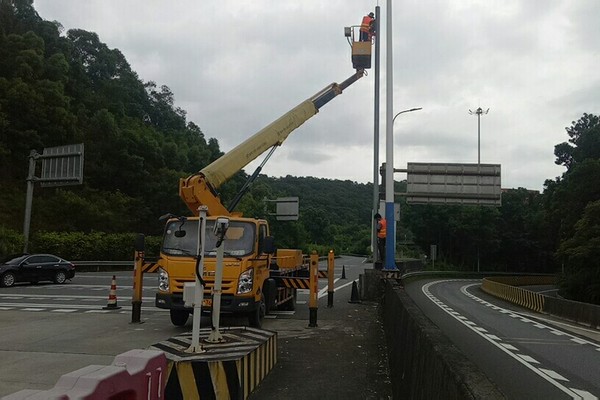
60,88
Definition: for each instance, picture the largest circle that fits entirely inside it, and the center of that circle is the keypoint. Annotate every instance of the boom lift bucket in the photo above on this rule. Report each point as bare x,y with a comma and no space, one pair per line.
361,51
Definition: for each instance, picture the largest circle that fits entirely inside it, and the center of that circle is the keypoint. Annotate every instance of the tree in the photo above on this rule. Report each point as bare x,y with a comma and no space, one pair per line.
584,142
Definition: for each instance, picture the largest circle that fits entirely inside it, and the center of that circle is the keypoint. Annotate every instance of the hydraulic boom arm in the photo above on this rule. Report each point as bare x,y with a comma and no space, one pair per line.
201,188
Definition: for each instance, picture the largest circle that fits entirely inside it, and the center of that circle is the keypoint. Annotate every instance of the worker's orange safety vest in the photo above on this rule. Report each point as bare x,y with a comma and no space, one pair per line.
365,26
381,233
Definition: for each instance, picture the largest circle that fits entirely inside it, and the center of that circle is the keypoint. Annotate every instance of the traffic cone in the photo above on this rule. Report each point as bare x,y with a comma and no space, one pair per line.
343,272
112,296
355,298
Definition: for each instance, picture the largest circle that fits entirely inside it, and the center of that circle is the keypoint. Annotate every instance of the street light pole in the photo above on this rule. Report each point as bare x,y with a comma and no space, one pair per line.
390,239
478,112
405,111
376,140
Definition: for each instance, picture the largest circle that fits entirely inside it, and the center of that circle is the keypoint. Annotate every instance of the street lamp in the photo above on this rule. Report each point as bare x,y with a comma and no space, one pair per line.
390,238
479,112
405,111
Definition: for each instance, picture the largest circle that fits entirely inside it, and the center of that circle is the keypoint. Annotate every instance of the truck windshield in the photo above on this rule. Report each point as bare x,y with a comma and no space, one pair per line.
182,239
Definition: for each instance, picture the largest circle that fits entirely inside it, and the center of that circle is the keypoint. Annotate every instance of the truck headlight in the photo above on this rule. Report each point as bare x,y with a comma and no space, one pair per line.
246,281
163,280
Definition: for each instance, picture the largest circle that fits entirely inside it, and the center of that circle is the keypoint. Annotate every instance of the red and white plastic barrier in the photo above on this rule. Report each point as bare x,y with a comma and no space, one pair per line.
136,374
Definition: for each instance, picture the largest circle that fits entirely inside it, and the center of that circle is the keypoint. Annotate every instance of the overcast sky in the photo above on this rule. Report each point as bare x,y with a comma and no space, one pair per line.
236,65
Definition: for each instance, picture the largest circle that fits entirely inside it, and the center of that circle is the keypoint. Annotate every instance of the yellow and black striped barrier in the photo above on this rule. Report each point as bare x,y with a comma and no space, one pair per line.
228,370
294,282
149,267
506,287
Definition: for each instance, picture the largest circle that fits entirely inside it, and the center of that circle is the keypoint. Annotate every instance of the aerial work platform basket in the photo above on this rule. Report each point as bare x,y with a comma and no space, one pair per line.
361,50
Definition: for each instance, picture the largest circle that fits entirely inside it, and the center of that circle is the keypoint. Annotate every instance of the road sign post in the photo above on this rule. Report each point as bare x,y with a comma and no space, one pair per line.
61,166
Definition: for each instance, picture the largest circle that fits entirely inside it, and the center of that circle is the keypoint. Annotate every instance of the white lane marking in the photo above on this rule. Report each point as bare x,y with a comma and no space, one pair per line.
529,359
324,291
46,307
554,374
537,371
341,287
585,395
64,310
537,324
509,346
61,297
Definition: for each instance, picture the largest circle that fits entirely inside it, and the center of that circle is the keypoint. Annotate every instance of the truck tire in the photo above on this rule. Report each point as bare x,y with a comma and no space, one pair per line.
255,318
270,293
179,317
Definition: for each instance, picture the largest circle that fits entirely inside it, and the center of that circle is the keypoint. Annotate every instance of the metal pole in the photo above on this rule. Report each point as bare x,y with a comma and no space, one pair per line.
478,112
195,346
138,280
390,240
33,156
376,139
215,336
478,138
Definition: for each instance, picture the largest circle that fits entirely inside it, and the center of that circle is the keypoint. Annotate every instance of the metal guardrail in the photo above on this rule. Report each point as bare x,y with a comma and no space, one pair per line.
101,263
149,266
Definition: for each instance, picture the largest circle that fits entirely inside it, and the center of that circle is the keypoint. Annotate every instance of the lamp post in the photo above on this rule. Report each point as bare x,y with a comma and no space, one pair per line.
390,239
405,111
479,112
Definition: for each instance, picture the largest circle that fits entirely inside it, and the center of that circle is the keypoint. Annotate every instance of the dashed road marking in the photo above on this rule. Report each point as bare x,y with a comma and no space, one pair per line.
550,376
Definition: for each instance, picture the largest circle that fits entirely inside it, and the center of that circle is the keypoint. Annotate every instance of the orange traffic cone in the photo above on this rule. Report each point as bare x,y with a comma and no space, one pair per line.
112,296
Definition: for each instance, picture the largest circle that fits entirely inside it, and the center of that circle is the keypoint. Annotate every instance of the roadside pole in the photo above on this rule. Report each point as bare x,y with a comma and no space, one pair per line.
330,272
195,346
313,304
138,282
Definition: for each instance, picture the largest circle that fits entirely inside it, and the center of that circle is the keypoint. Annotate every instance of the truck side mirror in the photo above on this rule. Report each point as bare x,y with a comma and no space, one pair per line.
268,245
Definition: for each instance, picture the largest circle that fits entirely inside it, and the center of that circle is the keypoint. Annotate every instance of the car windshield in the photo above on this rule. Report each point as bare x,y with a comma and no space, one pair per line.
14,259
182,239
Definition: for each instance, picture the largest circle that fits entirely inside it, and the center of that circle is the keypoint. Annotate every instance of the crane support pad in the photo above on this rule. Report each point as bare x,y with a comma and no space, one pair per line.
292,282
228,370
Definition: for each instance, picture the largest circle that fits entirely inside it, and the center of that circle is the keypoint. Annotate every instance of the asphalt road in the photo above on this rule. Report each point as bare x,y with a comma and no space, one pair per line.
526,356
48,330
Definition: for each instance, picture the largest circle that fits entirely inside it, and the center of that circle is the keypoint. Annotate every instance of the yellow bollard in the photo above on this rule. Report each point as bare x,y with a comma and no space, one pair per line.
136,300
330,271
313,304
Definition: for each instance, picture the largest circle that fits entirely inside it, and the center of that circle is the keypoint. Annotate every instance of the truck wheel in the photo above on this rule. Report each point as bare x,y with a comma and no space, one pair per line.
255,318
270,293
179,317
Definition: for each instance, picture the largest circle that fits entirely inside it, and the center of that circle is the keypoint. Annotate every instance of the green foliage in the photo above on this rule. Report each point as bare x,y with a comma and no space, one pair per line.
11,242
91,246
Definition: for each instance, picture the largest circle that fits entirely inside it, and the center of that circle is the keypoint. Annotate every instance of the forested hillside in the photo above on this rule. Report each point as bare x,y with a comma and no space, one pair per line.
59,88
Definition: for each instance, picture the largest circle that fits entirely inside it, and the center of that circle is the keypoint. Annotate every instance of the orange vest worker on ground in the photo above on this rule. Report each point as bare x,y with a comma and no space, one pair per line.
381,233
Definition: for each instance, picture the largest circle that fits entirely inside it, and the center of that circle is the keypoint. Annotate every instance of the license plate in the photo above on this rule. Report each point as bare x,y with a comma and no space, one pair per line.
207,303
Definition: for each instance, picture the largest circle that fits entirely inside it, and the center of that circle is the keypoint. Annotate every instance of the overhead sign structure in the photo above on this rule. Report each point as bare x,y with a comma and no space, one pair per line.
62,165
286,208
438,183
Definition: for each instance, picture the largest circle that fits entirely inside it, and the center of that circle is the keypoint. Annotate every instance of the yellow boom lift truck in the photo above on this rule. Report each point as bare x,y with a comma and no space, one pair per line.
251,265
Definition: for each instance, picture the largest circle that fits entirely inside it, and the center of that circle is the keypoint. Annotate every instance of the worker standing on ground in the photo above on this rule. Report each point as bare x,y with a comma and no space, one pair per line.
381,233
367,27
